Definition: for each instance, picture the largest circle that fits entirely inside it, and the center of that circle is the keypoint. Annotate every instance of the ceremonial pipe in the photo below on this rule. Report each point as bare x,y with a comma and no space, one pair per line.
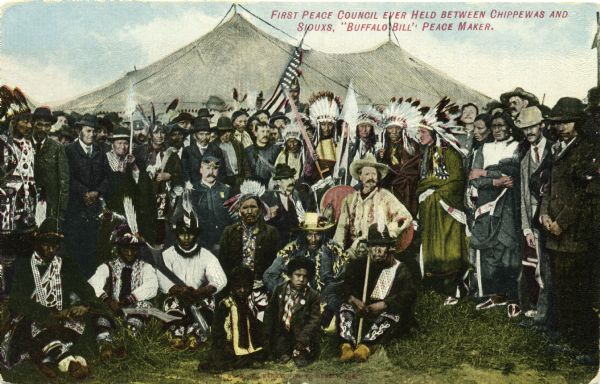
364,299
309,147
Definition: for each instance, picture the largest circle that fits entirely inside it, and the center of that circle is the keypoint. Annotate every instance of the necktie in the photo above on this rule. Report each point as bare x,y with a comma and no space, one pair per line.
125,283
536,152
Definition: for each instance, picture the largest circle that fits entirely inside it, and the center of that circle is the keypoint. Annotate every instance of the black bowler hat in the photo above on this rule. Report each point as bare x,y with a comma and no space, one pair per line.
88,120
567,109
43,113
201,125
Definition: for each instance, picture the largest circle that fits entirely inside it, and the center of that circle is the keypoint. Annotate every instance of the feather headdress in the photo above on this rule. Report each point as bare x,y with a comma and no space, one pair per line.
406,115
441,119
248,189
292,131
324,106
12,103
184,214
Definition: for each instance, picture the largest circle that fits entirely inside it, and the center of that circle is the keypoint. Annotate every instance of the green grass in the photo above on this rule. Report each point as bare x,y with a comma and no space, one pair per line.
452,345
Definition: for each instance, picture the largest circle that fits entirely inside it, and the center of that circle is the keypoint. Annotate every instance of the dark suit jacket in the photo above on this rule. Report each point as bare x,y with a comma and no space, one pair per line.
191,159
305,323
51,172
267,245
564,201
87,174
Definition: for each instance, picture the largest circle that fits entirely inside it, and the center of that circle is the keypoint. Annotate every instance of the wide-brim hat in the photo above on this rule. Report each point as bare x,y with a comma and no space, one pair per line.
88,120
315,222
183,116
260,111
50,229
201,125
278,116
376,237
529,117
43,113
121,133
567,109
368,161
204,113
224,124
283,171
523,94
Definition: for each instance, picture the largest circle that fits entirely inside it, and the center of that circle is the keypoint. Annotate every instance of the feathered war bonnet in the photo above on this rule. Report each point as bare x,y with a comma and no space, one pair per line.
324,107
250,189
185,216
441,119
406,115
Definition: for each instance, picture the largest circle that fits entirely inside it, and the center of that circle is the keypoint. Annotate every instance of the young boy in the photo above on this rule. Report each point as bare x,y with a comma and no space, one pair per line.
292,319
237,332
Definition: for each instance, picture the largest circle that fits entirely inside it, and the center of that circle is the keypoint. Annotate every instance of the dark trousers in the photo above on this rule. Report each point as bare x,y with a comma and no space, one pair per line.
572,275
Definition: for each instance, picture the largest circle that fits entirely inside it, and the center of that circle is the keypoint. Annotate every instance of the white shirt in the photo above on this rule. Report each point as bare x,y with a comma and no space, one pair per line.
498,150
195,271
87,149
146,291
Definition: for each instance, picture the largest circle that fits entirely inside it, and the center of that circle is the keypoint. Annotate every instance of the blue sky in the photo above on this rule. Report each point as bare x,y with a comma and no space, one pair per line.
56,51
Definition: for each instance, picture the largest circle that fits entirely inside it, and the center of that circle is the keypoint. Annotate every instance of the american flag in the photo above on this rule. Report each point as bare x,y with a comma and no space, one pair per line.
292,70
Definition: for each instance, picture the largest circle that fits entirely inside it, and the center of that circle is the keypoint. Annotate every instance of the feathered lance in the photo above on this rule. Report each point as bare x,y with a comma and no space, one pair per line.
307,142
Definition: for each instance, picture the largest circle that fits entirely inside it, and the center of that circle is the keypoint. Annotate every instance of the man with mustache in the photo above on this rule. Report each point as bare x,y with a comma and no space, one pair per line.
236,162
200,146
518,99
208,197
391,293
535,168
362,208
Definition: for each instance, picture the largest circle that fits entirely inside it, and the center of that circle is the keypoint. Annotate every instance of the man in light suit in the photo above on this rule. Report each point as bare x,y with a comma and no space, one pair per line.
534,280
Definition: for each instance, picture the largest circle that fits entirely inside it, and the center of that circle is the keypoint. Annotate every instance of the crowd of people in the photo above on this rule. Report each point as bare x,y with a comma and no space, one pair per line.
256,231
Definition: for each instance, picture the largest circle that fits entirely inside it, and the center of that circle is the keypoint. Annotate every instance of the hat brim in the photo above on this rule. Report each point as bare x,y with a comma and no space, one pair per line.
356,166
523,95
311,228
87,124
380,242
118,137
559,119
523,126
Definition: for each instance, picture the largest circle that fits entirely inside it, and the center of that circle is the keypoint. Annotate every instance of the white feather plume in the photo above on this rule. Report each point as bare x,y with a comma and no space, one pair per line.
324,109
252,188
406,115
130,214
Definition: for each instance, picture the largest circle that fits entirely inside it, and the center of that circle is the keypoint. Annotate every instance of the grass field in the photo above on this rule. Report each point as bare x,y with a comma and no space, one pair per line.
452,345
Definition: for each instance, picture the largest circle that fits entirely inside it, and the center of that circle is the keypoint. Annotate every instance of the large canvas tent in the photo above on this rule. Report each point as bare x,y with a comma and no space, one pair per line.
238,54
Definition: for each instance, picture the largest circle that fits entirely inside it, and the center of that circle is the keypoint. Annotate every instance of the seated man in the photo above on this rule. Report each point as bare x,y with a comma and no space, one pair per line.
293,316
327,255
191,276
236,331
388,308
125,282
49,308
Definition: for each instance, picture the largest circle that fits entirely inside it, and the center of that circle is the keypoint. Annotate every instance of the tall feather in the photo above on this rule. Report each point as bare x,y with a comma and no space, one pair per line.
172,106
130,214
